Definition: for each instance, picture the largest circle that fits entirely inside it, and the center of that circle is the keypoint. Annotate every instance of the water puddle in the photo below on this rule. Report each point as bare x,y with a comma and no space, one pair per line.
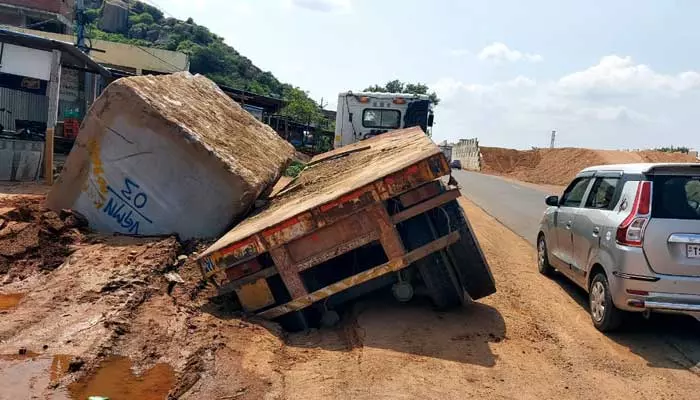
19,356
115,380
31,375
8,301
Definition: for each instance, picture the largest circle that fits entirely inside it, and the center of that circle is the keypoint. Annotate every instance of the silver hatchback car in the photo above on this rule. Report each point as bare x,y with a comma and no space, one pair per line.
629,235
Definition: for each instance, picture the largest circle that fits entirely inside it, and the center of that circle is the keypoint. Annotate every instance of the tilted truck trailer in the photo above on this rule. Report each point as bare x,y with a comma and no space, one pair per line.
371,215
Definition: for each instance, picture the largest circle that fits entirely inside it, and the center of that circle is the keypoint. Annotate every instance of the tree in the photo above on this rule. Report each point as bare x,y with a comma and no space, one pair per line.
674,149
91,15
300,106
138,31
396,86
143,18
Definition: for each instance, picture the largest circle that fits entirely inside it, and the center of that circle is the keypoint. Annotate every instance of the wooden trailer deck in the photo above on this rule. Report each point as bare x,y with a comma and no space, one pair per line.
308,222
331,175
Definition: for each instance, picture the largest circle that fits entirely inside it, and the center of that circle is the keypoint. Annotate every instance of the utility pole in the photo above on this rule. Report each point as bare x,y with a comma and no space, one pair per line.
80,26
554,135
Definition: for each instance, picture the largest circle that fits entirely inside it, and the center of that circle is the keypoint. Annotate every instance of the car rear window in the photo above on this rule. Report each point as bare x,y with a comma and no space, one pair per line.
676,197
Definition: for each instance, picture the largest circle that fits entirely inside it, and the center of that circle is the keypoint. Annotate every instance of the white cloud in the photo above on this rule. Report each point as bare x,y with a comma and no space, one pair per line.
499,52
448,87
328,6
614,74
613,104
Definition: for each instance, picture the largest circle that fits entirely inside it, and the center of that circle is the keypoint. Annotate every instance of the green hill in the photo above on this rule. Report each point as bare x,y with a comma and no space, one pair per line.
209,55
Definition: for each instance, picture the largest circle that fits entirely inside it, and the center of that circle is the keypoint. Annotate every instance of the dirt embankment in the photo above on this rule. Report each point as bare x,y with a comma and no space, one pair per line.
33,238
84,314
559,166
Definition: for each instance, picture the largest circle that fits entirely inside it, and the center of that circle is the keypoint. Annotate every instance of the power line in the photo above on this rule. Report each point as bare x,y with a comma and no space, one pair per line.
177,69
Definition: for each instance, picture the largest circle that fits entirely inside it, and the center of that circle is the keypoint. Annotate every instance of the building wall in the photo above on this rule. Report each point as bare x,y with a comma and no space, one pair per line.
126,56
12,18
20,160
25,61
15,104
115,17
63,7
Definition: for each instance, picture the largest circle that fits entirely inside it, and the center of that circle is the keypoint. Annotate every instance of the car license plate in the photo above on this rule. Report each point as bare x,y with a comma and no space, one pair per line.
693,250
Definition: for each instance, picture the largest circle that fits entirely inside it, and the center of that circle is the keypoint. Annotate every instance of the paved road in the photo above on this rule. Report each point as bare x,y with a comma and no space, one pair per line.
518,207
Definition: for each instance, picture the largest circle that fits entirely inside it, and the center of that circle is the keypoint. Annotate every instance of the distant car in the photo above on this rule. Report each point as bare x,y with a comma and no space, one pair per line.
456,164
630,236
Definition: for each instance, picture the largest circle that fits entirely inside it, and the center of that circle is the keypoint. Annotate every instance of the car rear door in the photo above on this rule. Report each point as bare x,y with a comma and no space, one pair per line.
569,206
592,227
672,236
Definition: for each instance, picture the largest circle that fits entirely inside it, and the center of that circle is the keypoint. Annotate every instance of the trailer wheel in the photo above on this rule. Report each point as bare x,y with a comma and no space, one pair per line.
438,276
294,321
443,285
466,255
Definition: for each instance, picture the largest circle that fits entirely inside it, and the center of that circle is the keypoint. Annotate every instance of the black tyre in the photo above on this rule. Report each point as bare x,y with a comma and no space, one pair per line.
605,316
543,264
467,258
443,285
294,321
438,276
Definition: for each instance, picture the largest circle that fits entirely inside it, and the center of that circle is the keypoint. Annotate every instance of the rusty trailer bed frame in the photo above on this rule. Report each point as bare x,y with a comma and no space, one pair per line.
329,229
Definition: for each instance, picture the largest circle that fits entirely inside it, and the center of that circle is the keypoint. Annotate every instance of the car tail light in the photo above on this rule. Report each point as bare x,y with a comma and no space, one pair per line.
631,230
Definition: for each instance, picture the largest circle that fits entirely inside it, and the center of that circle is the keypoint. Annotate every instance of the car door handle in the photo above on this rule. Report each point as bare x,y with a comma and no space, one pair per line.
568,225
596,231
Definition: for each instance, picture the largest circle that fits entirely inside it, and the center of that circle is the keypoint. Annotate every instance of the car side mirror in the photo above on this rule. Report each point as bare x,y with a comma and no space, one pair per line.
552,201
431,119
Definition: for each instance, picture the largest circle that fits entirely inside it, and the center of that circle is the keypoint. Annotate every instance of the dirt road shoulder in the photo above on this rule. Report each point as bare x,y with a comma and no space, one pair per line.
531,340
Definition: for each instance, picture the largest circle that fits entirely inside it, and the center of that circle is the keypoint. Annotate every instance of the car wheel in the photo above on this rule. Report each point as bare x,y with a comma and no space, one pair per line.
606,317
542,259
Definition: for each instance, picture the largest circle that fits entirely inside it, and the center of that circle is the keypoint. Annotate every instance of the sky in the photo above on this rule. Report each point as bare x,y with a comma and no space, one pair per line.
621,74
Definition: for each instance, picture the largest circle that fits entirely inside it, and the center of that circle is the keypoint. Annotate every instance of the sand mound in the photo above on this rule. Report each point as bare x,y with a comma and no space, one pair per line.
33,238
559,166
504,161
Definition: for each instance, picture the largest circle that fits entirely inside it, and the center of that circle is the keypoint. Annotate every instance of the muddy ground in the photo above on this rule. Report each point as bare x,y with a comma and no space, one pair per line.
109,313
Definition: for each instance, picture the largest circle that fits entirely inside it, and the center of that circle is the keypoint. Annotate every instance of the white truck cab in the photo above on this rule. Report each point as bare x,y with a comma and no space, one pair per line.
363,115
